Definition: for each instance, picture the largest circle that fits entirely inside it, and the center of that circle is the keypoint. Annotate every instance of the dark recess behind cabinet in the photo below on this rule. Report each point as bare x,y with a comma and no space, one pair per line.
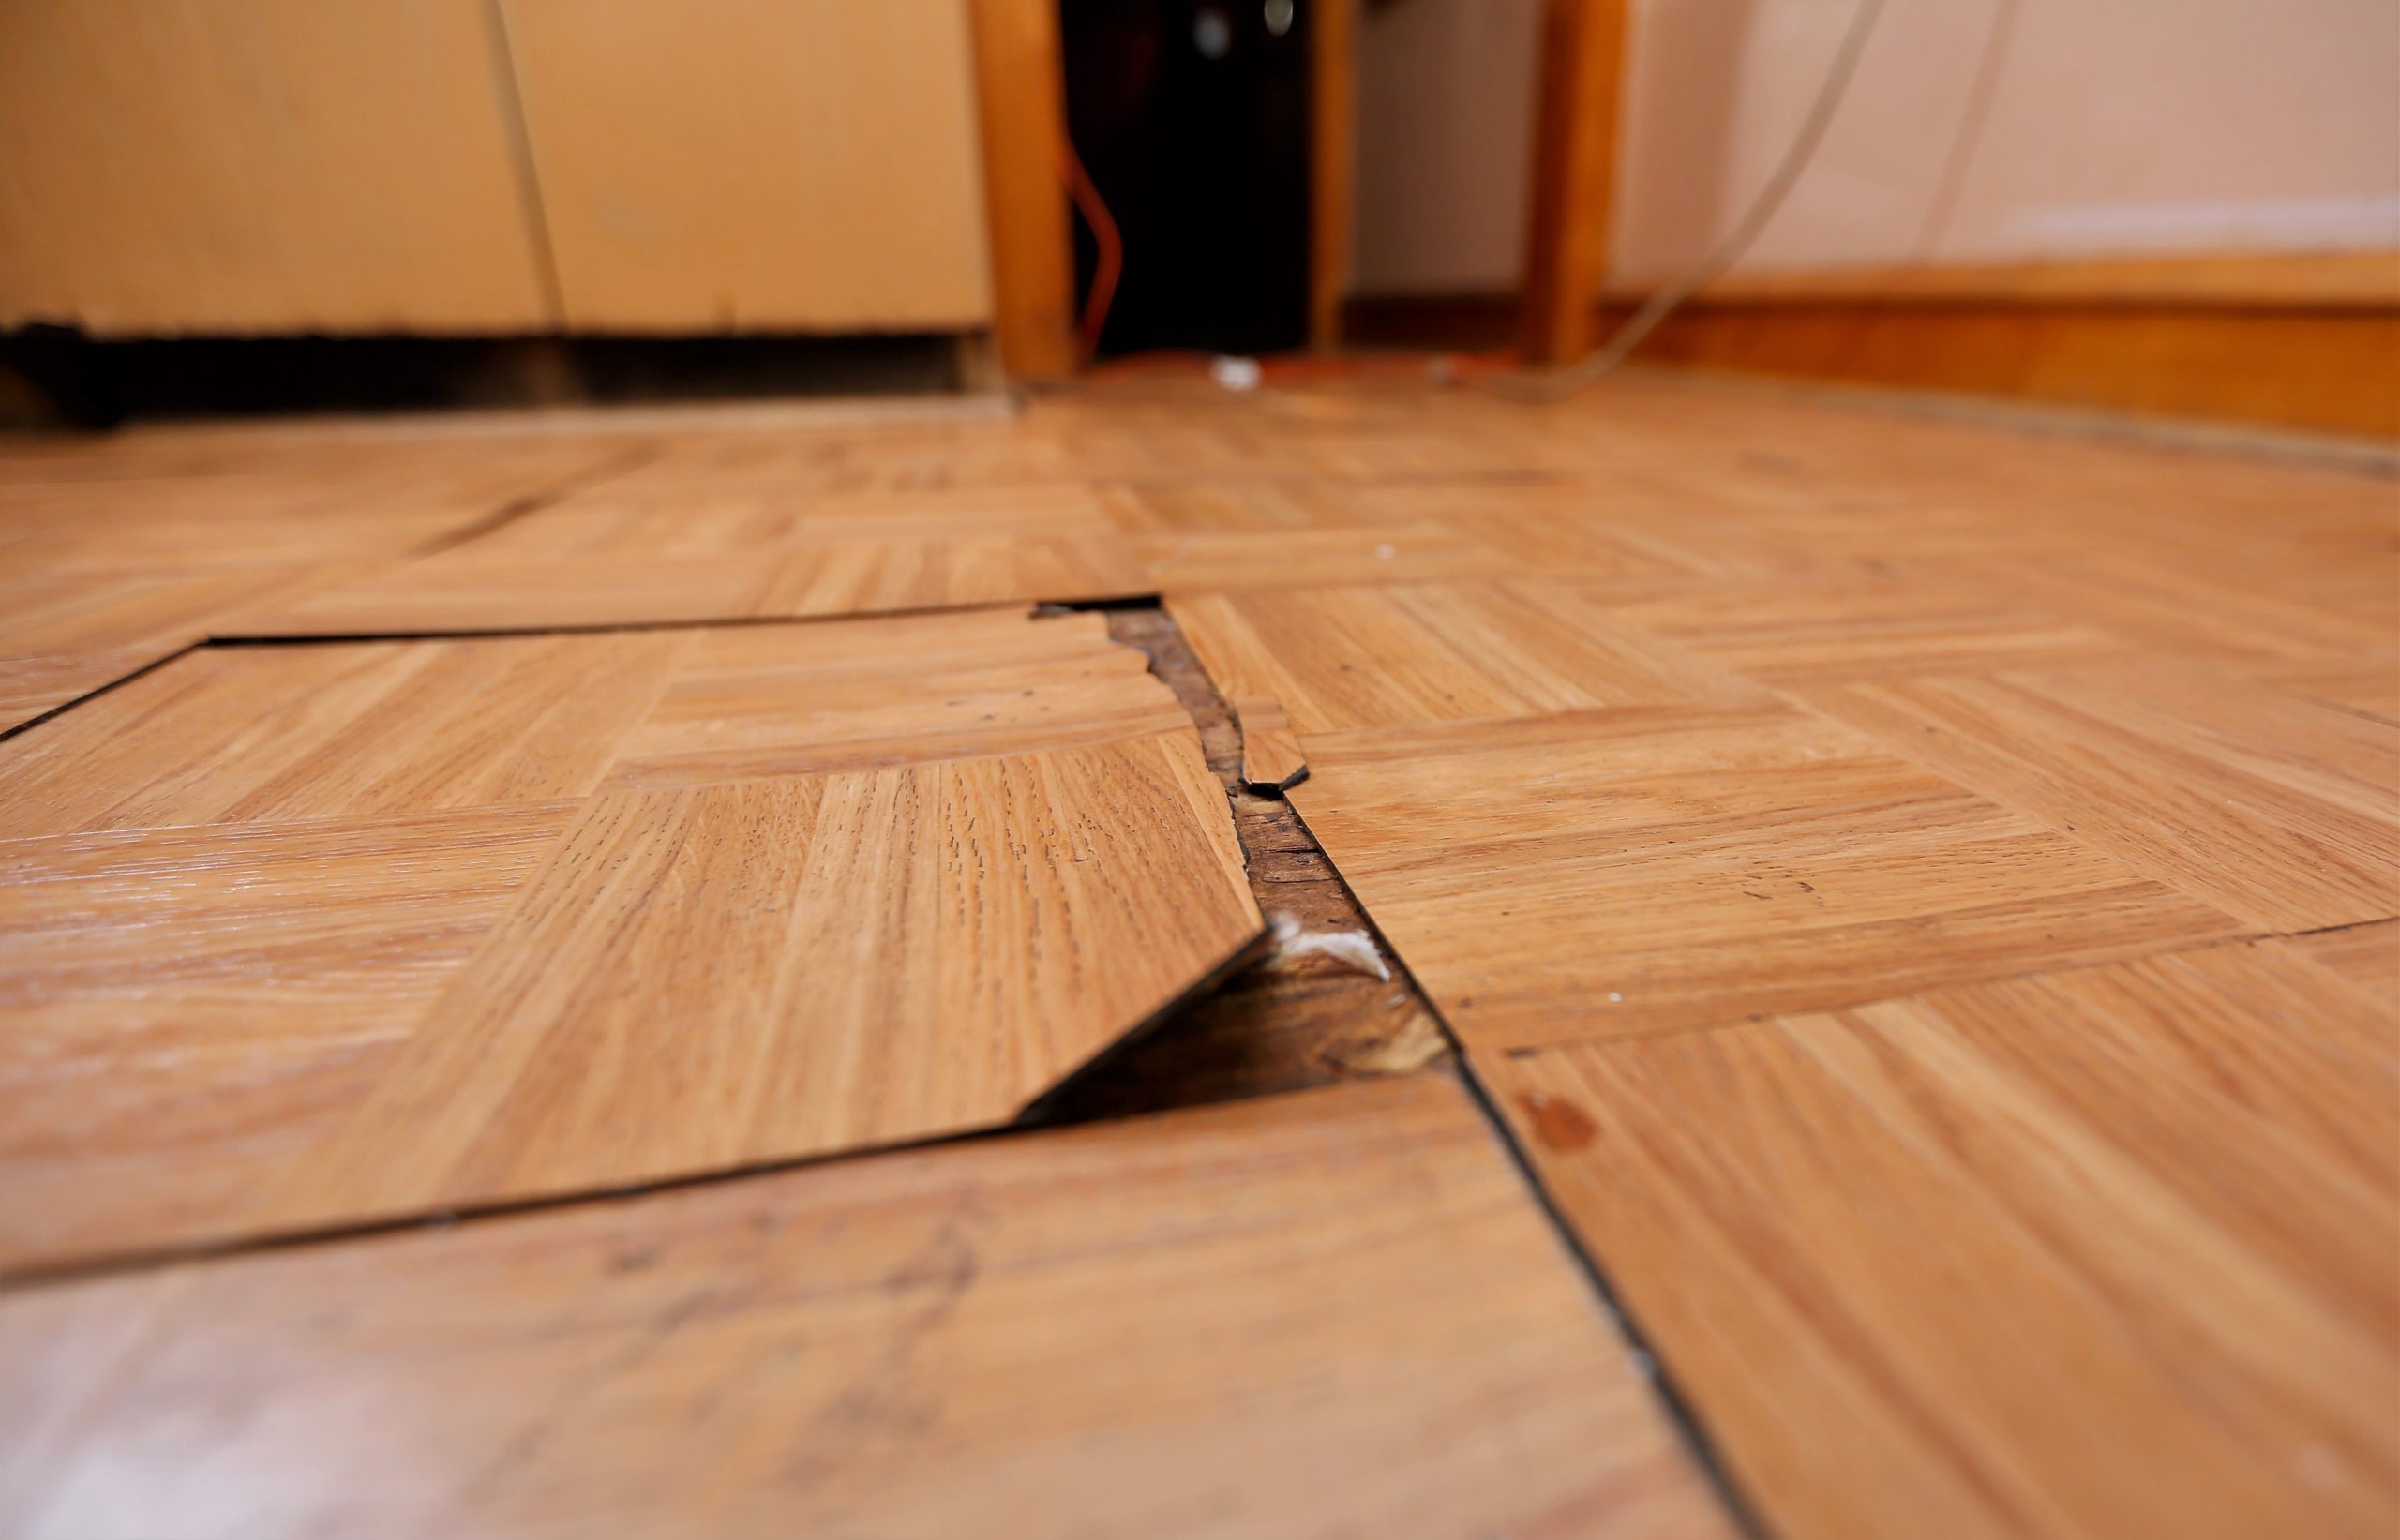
1204,163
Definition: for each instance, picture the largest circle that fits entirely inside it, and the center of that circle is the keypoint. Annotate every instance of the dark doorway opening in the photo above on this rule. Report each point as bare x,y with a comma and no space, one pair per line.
1192,119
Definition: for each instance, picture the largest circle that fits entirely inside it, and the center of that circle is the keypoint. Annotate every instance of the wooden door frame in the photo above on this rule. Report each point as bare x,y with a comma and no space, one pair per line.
1333,173
1021,93
1020,85
1580,71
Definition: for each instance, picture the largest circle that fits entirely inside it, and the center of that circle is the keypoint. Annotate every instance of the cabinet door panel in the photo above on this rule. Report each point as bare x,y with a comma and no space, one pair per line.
255,166
757,165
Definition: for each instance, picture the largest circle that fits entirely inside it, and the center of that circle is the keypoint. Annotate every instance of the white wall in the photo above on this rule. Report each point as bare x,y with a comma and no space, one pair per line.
1445,130
2116,128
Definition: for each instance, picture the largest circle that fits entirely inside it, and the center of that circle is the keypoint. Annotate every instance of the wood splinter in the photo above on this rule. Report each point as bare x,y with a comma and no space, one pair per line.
1271,760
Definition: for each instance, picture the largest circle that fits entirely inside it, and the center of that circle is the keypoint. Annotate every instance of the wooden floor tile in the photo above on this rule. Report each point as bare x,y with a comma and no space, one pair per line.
2368,955
276,734
111,571
720,897
470,590
1837,832
1639,530
1331,1314
1604,873
2232,607
187,1012
1363,657
889,955
1412,553
1788,630
759,700
2368,686
2103,1252
2275,809
33,685
607,560
1271,758
271,734
68,634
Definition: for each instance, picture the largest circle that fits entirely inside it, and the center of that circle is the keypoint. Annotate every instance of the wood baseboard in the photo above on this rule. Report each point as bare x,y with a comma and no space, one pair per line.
2309,342
2335,371
2308,279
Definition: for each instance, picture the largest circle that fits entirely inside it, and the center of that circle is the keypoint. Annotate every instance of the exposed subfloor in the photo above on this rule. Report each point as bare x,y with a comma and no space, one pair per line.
1347,959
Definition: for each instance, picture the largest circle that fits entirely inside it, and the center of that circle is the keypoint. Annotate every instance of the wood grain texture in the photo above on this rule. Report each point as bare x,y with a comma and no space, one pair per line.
2369,687
892,954
32,686
780,700
190,1011
2363,279
70,633
1338,659
633,556
2332,370
2324,603
254,736
115,555
1785,632
267,165
652,560
391,925
1580,71
1271,760
1607,873
2095,1252
2276,810
1301,1016
1075,1326
1021,98
467,590
731,165
1333,162
1106,499
2368,955
2055,1245
1196,562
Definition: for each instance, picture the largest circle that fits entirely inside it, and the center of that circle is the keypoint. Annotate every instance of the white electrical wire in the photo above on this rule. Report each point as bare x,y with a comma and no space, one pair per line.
1663,301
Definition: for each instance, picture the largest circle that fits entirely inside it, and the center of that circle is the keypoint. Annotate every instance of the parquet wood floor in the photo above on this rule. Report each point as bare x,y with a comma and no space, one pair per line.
1864,970
2103,1251
1335,1313
111,562
310,935
1646,868
2277,809
2368,955
1924,894
1337,659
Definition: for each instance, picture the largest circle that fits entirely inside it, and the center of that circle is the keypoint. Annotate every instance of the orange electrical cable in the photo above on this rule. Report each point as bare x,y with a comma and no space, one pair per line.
1111,263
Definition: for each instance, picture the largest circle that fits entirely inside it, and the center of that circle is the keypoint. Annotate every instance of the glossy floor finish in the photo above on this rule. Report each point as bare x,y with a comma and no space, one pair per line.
1921,897
1332,1313
111,562
324,935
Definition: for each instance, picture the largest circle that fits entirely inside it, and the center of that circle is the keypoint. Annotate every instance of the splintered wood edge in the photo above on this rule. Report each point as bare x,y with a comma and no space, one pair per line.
1272,758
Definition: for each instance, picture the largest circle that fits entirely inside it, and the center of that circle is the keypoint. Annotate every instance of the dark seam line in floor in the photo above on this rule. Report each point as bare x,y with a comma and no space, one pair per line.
97,691
1620,1318
137,1259
526,502
2170,946
1030,1122
119,1263
1038,608
1041,1110
507,512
